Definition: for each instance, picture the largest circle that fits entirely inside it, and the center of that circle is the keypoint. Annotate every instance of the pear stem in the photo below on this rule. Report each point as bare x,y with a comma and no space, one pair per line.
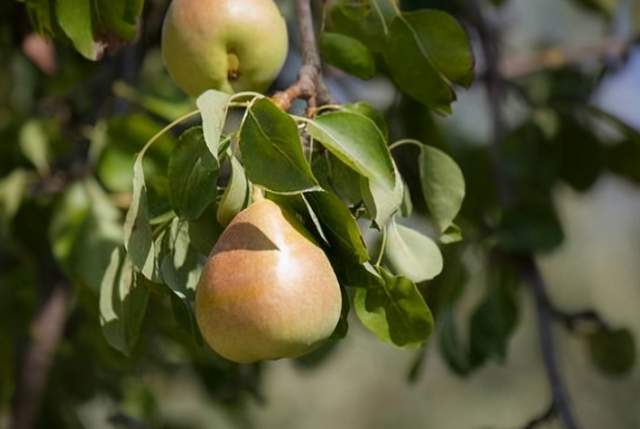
309,85
257,193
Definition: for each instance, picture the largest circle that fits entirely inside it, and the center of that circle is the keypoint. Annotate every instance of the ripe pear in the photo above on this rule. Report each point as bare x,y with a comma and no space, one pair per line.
267,291
228,45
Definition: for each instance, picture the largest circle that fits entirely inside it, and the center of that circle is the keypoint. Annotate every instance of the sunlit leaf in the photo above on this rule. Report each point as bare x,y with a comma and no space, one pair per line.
236,194
34,144
443,186
356,141
365,109
138,238
84,230
181,264
123,302
76,20
272,151
13,189
395,312
381,202
411,253
213,109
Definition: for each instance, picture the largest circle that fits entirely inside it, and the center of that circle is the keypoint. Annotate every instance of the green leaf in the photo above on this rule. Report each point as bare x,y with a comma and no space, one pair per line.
125,137
166,109
406,208
494,320
365,109
84,230
35,145
613,351
204,231
185,317
381,202
412,70
623,159
40,15
236,194
123,302
213,109
451,347
138,238
181,265
395,312
356,141
347,54
582,154
272,152
356,275
530,227
119,17
192,174
444,42
443,186
412,254
335,176
76,20
13,190
339,225
453,234
360,21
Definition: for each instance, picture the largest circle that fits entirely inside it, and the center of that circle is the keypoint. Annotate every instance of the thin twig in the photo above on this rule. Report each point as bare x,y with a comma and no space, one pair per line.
546,416
46,331
531,273
490,41
557,57
309,85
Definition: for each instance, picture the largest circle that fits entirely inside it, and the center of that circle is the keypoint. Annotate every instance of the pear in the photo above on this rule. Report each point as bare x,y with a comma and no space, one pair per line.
228,45
267,290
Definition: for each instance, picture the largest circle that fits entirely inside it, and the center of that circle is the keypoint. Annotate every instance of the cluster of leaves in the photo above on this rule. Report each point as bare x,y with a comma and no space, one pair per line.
566,140
425,52
91,26
343,172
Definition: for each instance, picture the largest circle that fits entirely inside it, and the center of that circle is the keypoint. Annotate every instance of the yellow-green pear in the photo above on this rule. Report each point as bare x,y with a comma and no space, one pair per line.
267,291
228,45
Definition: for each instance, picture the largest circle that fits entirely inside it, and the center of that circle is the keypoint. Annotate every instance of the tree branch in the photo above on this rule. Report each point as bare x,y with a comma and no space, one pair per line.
309,85
531,274
490,42
557,57
46,331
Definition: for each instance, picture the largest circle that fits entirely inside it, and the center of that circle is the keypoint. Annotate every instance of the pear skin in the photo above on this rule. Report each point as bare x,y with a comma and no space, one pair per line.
228,45
267,291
